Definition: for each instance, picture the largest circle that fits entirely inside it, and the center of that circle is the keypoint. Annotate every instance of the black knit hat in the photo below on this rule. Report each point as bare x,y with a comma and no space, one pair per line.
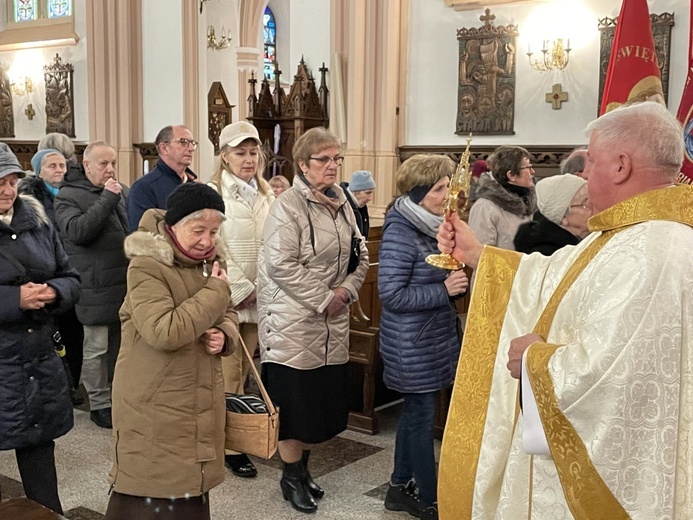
190,197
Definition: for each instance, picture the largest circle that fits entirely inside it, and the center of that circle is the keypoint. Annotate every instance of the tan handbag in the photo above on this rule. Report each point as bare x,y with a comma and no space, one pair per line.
253,433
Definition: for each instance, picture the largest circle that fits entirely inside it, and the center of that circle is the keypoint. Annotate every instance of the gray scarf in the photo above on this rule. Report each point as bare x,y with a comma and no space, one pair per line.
421,219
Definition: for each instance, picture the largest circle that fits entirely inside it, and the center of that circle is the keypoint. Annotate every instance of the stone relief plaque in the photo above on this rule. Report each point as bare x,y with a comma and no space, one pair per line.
60,106
6,113
486,82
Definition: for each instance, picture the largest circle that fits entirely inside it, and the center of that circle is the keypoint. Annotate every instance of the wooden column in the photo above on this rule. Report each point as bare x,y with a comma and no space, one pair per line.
114,67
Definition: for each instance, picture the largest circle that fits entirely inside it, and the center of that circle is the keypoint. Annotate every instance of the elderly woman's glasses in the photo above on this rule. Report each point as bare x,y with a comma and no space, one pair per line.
185,142
324,160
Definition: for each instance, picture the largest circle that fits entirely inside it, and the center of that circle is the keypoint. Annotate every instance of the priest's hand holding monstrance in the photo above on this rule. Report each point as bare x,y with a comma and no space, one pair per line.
460,184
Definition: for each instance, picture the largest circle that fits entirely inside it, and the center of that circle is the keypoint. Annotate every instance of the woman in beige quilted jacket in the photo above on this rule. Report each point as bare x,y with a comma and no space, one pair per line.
247,197
304,290
169,412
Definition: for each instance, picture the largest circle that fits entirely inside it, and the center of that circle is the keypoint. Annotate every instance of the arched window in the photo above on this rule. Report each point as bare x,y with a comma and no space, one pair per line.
269,31
30,23
31,10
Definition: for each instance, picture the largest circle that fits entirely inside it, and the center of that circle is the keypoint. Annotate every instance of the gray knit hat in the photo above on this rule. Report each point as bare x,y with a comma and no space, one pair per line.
554,195
9,163
361,181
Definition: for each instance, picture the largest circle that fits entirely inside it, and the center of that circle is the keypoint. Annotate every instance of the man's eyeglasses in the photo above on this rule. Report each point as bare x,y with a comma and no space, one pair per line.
324,160
528,167
583,206
185,142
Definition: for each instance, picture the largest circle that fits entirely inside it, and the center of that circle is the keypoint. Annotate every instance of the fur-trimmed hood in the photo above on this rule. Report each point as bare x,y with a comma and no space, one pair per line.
489,188
28,214
152,240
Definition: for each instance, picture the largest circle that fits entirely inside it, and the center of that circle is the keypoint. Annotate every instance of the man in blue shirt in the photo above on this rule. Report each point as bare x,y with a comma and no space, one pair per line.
175,145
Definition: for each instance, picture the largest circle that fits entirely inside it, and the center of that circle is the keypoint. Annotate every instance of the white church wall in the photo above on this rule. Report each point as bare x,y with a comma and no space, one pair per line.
31,62
216,65
162,65
432,74
309,35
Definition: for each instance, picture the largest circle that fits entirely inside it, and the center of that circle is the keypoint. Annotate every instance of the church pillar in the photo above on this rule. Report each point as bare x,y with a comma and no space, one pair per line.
248,55
114,66
192,77
371,39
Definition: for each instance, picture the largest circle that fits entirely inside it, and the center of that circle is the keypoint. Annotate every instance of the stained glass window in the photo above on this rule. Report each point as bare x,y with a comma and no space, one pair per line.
270,37
24,10
58,8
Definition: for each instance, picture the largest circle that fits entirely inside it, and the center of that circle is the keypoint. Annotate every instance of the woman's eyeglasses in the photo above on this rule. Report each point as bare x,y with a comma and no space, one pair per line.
324,160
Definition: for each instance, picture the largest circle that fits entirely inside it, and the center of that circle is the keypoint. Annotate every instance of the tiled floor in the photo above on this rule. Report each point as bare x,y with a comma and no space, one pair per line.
352,468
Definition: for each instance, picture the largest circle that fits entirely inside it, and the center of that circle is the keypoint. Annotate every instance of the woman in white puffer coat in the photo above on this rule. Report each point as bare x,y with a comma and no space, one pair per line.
247,197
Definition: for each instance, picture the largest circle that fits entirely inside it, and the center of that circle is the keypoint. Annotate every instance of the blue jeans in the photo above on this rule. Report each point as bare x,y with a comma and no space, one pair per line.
414,455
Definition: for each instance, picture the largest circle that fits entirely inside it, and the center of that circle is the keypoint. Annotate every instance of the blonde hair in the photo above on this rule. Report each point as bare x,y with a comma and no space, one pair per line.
222,166
313,141
423,170
280,180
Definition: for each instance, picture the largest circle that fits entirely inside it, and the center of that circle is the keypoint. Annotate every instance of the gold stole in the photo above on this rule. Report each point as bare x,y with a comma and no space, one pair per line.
471,392
585,492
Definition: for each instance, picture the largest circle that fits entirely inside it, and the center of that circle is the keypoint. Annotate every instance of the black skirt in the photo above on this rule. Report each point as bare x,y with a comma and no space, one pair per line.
314,404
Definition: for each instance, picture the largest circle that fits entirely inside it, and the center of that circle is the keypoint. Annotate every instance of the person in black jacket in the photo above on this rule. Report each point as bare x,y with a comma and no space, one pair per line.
359,193
90,210
49,167
36,283
561,221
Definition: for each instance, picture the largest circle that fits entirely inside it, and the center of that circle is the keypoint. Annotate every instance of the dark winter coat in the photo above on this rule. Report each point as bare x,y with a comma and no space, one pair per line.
34,186
93,225
34,400
543,236
419,342
152,190
362,219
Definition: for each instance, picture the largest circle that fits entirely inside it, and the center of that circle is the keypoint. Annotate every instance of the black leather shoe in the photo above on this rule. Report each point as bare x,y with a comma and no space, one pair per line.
102,418
75,398
294,488
241,465
430,513
315,490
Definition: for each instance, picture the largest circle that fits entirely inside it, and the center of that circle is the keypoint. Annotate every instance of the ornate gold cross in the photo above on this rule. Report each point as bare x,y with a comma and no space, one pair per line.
556,96
29,111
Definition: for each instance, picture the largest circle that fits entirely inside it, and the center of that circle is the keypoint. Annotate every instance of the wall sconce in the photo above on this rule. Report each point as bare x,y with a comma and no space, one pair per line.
22,86
556,56
213,43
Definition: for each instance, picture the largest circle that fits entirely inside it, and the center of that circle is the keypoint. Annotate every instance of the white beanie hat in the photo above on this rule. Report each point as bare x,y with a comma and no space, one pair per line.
554,195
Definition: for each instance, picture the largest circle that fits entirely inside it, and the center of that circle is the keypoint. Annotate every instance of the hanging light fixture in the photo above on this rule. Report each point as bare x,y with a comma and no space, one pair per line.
555,56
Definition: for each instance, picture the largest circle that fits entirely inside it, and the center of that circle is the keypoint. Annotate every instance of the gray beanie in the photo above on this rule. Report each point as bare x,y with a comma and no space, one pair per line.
9,163
554,195
361,180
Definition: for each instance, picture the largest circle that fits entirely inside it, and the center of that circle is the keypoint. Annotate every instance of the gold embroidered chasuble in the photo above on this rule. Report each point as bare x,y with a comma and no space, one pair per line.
613,383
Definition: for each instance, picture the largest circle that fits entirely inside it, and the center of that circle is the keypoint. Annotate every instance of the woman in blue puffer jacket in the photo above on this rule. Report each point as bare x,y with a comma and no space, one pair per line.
419,342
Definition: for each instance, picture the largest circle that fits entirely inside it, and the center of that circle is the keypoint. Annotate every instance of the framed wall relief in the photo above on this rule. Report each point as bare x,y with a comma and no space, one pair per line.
6,113
486,82
60,104
219,112
661,32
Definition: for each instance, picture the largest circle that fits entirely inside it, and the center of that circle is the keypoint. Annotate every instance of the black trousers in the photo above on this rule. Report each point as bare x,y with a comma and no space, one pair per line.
37,469
128,507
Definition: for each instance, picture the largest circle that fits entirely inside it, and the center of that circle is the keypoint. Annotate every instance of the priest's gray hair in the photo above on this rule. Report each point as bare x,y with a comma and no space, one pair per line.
649,127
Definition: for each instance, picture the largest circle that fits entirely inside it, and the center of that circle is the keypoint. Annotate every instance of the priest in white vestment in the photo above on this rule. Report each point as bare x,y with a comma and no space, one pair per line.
601,335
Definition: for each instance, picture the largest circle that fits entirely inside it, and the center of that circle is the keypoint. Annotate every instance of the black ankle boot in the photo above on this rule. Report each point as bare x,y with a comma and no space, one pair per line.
294,488
315,490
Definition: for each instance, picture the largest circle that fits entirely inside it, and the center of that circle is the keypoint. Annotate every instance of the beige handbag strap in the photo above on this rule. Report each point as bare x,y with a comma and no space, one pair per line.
263,391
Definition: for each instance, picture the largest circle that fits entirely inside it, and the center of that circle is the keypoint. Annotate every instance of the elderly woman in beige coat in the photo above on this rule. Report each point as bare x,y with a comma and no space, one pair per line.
247,198
168,393
505,197
304,291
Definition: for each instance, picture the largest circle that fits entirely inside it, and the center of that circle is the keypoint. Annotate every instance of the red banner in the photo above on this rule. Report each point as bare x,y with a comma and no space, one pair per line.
633,73
686,112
